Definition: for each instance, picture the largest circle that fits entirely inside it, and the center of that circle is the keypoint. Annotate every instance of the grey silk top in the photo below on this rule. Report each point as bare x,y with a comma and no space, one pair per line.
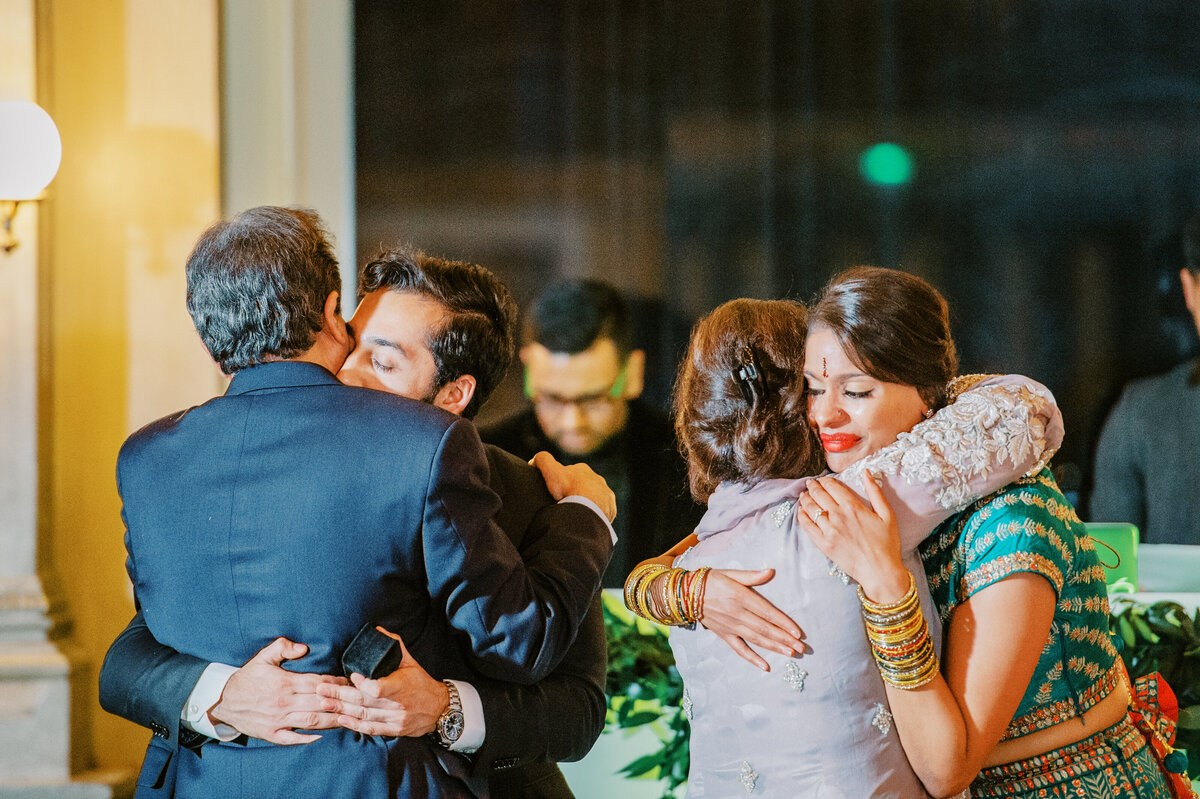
818,725
1148,458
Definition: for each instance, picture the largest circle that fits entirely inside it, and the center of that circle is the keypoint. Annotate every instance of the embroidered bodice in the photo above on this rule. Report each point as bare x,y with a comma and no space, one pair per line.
1030,527
819,725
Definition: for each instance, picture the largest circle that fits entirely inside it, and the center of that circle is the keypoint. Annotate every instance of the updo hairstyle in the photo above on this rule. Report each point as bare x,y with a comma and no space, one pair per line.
892,325
753,428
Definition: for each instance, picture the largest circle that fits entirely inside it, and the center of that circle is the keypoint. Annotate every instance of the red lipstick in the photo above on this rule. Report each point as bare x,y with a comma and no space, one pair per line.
839,442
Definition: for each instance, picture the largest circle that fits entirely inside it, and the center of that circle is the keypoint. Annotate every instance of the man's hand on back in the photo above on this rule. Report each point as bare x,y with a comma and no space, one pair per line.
264,700
576,480
406,702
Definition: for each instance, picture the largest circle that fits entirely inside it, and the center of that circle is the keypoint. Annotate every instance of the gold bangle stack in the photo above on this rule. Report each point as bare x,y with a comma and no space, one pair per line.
680,596
900,639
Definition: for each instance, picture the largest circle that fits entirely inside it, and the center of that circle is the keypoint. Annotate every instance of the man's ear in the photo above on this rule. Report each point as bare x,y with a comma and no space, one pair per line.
635,374
456,395
1190,289
334,323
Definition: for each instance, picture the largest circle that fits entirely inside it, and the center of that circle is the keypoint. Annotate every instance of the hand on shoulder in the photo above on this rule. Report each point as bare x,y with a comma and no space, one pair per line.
576,480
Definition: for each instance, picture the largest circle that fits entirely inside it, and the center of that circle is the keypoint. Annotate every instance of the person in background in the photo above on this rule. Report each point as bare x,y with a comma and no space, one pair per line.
583,378
1146,469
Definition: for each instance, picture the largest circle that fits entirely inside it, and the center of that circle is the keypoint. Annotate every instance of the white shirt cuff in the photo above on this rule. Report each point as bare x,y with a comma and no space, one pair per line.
596,508
474,727
207,693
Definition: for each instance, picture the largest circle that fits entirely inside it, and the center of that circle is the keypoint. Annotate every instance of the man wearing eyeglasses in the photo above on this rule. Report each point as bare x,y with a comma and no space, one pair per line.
584,379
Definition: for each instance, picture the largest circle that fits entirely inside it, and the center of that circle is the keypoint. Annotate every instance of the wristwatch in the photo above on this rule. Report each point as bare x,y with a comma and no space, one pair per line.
450,724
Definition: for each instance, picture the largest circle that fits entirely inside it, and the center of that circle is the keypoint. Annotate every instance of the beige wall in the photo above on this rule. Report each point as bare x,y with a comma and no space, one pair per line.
132,85
287,121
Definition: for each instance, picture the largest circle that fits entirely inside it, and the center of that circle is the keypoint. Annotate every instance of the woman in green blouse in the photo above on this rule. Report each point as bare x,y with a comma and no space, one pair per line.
1028,701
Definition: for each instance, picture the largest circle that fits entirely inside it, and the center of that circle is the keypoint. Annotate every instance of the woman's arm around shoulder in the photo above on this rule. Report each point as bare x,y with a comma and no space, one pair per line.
732,609
996,429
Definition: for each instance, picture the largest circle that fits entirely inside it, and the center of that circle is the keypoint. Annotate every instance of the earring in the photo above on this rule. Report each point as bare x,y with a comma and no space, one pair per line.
929,413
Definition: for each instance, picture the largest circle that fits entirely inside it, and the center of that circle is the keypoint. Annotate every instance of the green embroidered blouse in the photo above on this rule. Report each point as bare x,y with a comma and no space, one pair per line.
1028,526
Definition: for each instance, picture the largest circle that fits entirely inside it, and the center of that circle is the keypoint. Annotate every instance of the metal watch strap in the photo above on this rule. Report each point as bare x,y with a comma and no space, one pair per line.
450,724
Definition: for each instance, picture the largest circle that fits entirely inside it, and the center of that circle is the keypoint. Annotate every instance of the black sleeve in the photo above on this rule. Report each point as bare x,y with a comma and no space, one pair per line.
556,719
519,616
148,683
1119,489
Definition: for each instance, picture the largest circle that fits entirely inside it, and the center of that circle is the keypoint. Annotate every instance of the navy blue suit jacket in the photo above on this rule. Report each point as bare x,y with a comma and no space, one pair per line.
528,727
297,506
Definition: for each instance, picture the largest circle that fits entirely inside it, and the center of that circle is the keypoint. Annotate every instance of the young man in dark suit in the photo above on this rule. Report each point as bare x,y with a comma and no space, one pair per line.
584,379
326,505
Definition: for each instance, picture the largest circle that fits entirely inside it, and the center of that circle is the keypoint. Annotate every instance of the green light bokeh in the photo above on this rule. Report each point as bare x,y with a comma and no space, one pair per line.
886,164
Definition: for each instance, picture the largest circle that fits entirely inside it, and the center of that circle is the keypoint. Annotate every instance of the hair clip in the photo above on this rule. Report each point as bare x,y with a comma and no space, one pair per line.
749,377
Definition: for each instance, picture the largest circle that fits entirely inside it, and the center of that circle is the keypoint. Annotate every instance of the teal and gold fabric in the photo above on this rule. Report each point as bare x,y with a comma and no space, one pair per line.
1112,764
1028,526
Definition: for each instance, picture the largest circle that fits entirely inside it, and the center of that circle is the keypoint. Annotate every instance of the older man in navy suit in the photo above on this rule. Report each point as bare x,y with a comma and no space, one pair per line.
297,506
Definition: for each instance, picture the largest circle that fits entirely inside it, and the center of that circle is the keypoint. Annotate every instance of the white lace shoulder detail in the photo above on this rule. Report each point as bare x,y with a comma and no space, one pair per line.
988,424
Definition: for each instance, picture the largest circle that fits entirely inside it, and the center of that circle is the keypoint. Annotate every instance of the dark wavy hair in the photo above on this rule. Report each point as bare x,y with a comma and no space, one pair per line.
477,334
894,326
257,284
733,432
572,315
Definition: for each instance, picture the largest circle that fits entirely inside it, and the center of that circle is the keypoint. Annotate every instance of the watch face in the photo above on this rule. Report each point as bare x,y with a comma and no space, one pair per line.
450,726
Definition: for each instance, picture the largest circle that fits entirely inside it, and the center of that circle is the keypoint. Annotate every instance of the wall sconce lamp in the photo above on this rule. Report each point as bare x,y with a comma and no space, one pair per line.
30,151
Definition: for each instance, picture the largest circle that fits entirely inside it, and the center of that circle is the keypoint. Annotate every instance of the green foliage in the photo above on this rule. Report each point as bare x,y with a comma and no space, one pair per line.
644,690
1163,638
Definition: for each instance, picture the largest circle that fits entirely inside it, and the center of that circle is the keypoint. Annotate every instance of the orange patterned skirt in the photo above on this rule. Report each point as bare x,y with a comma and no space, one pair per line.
1115,763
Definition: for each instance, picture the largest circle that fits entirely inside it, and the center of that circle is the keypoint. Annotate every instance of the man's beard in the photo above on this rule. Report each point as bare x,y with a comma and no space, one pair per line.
430,394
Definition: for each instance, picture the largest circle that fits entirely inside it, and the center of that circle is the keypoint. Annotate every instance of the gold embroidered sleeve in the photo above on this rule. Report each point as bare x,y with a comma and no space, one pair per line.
997,429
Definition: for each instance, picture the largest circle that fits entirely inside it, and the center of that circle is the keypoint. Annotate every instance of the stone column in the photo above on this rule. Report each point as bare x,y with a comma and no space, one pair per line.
35,688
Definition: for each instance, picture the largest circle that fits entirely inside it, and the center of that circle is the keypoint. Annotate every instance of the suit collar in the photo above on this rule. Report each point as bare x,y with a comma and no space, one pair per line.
280,374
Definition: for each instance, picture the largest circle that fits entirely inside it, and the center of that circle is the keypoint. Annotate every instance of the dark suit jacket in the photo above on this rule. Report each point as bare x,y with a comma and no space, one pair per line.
643,466
297,506
529,728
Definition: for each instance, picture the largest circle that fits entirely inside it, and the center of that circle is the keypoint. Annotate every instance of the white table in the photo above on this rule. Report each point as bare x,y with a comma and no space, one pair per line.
1189,601
1172,568
596,777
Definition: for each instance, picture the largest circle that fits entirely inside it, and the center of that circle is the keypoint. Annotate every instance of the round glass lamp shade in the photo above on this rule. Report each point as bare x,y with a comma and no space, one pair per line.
30,150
